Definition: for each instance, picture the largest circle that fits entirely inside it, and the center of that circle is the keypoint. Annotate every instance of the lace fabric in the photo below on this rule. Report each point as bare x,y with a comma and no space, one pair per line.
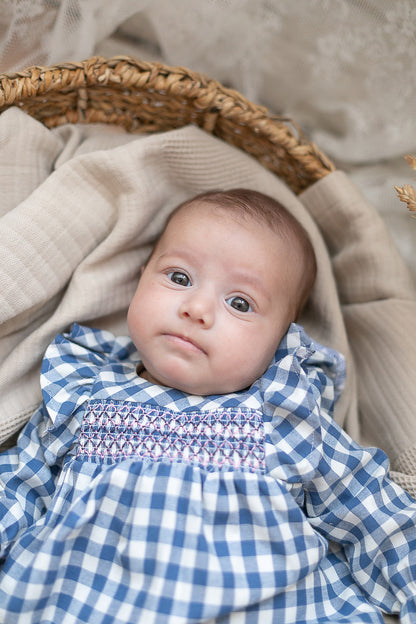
45,32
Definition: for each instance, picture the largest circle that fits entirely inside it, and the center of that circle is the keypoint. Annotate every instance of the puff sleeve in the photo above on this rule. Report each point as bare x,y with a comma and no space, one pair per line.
343,488
352,501
29,471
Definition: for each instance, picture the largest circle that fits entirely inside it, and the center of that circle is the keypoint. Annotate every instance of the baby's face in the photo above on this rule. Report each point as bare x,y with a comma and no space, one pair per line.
213,302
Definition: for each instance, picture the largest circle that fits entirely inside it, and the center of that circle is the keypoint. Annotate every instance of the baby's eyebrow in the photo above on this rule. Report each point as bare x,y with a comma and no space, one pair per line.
180,252
242,276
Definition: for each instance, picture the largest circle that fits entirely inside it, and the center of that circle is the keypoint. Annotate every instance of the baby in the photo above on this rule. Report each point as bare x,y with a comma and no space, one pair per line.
194,473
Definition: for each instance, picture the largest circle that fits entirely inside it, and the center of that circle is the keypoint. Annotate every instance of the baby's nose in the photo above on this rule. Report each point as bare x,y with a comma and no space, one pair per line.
199,309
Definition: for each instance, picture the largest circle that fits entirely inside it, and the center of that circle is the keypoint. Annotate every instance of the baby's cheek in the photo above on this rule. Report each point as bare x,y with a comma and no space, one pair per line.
243,364
136,322
258,355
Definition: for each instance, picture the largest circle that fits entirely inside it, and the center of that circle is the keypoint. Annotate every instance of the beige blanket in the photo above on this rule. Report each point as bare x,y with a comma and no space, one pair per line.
80,209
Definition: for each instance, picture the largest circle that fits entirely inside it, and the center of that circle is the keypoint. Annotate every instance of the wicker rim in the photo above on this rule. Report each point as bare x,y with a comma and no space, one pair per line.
144,97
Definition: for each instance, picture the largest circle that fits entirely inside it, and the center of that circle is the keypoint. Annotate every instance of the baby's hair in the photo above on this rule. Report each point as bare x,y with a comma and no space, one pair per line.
268,211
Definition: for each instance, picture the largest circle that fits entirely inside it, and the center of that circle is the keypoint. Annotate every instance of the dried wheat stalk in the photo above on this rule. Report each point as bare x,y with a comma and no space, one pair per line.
407,193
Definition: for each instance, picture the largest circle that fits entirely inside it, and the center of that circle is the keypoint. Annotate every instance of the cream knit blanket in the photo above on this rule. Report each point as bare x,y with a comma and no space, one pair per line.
80,208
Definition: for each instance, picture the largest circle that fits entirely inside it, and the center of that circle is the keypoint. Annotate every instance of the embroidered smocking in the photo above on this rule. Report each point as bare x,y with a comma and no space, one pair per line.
222,438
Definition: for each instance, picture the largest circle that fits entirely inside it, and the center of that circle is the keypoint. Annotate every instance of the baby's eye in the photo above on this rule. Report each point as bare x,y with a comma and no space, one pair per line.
177,277
240,304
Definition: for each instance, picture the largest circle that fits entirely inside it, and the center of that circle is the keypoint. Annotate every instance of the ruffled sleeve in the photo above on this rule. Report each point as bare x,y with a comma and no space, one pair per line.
71,364
29,471
344,489
309,360
302,383
303,374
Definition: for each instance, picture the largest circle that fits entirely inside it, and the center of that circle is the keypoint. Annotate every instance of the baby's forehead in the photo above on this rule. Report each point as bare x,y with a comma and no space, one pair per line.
193,213
194,210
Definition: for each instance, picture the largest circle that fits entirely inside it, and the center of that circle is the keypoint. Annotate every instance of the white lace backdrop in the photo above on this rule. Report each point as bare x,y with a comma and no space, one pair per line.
345,70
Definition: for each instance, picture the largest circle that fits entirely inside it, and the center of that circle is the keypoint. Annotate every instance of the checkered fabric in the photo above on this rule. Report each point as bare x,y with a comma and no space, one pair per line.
127,502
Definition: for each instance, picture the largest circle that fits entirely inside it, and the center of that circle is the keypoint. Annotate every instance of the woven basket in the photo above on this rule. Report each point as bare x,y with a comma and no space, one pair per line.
148,97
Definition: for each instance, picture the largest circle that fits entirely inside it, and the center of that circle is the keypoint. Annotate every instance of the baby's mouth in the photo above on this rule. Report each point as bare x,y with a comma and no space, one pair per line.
185,342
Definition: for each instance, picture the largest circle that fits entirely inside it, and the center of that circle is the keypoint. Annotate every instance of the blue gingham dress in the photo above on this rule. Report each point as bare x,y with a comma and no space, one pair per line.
126,502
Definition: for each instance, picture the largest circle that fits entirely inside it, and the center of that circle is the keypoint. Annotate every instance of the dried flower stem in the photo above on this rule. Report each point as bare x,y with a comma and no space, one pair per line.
407,193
